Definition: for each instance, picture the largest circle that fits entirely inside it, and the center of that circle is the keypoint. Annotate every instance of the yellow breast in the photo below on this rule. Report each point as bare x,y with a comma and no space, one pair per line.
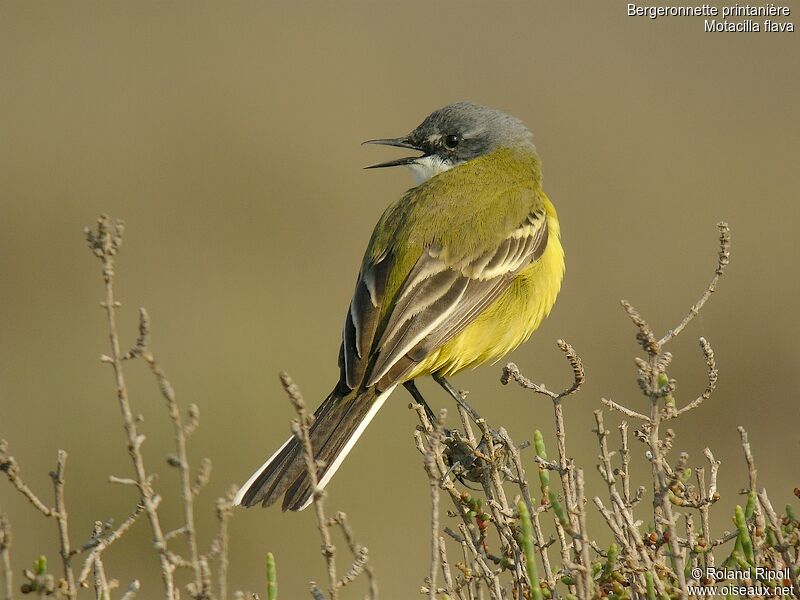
511,319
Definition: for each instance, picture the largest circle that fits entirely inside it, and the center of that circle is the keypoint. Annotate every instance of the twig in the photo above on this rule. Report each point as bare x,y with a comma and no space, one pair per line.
511,371
625,455
752,475
714,466
446,573
578,374
473,554
101,587
300,427
434,440
98,544
142,350
5,558
501,511
708,352
645,336
9,466
723,258
60,514
540,544
105,244
220,545
605,457
133,588
491,578
782,546
624,410
582,544
358,566
357,550
204,590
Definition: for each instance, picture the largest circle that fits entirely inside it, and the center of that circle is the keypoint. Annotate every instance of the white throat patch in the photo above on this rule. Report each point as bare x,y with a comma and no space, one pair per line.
427,166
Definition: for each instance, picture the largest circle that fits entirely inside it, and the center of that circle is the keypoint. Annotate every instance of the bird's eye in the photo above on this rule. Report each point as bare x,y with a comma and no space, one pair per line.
451,141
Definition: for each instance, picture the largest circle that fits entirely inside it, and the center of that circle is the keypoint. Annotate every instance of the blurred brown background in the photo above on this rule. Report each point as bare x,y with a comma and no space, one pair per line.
227,136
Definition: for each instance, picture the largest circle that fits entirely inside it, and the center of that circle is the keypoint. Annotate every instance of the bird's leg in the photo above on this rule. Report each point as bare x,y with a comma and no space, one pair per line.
417,395
456,396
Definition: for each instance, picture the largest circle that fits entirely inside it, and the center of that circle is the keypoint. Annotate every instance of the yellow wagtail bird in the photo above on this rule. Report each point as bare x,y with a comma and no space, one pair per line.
459,271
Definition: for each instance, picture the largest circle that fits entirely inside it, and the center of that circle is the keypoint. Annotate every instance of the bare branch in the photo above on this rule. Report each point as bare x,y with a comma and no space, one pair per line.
104,244
188,489
219,548
9,466
99,543
357,551
708,352
434,440
300,427
512,372
723,258
645,336
60,514
782,545
133,588
624,410
5,558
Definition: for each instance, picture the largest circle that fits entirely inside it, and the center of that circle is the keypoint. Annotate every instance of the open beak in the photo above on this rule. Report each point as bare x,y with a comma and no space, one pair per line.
401,142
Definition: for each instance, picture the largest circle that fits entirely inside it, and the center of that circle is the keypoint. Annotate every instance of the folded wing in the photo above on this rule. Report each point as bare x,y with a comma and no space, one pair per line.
440,296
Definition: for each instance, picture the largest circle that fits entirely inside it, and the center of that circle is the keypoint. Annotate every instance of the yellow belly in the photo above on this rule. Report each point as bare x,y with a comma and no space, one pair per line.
510,320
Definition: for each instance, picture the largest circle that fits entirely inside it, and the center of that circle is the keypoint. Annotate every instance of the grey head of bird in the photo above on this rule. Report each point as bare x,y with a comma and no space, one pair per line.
453,135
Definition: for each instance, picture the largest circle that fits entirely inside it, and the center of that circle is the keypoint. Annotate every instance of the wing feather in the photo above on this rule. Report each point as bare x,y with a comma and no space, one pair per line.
438,299
362,320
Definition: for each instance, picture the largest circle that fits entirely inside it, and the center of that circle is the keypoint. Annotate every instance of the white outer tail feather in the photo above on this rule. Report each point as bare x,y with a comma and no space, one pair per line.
337,462
237,500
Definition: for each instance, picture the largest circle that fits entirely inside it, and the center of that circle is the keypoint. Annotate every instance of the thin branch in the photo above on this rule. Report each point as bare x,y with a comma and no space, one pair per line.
220,545
705,522
434,440
752,476
60,514
578,373
582,545
711,364
133,588
446,572
782,546
188,493
300,427
105,244
357,550
624,410
98,543
625,455
474,552
645,336
723,258
5,558
9,466
101,588
540,544
512,372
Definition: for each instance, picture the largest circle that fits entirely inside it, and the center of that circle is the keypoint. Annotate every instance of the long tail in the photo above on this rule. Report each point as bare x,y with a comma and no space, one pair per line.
338,423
